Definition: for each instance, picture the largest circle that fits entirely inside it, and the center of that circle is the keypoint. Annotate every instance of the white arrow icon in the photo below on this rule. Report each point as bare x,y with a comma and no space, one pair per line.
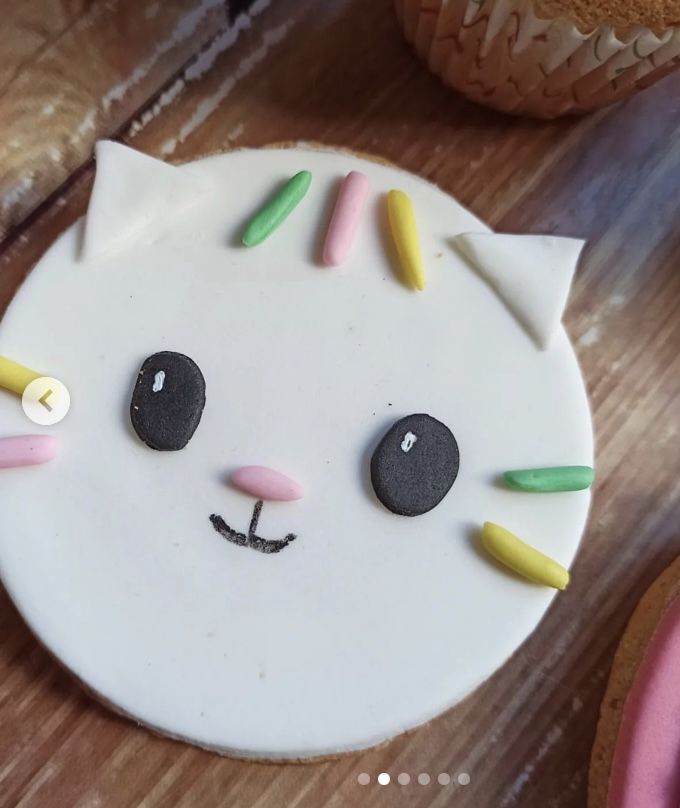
43,400
36,405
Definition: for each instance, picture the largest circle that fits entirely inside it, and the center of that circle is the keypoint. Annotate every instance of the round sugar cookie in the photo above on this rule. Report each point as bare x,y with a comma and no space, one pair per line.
149,575
634,761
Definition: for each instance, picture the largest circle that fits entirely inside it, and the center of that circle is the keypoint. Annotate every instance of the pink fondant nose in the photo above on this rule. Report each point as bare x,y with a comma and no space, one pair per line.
266,483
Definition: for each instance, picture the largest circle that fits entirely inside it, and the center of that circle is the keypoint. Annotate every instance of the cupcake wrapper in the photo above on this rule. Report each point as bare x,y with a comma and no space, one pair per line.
499,53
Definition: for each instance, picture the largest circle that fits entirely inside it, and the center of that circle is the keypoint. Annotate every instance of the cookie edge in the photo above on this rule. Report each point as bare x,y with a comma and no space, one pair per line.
630,652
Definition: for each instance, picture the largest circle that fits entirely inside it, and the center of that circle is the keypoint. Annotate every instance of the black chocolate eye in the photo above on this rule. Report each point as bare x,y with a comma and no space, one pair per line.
415,465
168,400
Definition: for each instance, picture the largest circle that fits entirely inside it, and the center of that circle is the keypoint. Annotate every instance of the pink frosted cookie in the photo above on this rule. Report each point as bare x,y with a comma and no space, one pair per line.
636,756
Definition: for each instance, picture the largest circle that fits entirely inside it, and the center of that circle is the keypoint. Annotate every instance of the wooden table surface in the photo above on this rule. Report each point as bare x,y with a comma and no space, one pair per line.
176,79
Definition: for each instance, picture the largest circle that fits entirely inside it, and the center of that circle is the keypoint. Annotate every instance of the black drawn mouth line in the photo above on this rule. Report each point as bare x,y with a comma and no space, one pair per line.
251,539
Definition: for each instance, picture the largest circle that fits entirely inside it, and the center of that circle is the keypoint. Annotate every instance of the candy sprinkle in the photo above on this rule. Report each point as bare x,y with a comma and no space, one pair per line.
557,478
27,450
345,220
265,483
405,234
277,210
522,557
15,377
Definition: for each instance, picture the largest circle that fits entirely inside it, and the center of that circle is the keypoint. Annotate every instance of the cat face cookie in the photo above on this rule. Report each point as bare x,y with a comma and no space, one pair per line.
290,626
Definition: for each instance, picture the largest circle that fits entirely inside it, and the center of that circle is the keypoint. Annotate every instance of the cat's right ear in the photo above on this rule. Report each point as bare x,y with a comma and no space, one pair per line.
531,274
134,199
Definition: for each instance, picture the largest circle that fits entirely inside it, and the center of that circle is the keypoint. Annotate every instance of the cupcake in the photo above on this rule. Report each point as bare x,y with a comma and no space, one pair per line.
545,58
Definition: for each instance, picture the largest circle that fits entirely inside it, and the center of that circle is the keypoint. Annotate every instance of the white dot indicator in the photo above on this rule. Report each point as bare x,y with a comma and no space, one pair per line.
424,779
444,779
364,779
464,779
404,779
383,778
46,401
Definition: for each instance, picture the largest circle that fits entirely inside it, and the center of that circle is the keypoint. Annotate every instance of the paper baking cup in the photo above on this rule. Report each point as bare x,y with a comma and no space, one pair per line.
501,54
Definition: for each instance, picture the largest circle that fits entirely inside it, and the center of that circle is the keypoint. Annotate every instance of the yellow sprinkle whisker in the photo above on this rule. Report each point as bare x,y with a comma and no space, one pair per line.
521,557
16,377
405,234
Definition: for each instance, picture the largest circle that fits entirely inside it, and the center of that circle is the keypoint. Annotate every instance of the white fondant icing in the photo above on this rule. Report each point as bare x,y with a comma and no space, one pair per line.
369,623
158,381
532,274
409,440
134,197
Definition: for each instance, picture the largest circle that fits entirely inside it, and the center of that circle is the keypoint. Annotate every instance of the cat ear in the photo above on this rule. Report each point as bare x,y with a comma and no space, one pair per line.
135,197
531,274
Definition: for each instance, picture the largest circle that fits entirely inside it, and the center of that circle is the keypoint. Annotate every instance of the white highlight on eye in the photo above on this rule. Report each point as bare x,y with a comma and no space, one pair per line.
158,381
409,440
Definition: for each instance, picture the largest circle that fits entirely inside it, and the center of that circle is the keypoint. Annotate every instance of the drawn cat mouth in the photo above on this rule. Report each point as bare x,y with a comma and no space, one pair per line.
251,539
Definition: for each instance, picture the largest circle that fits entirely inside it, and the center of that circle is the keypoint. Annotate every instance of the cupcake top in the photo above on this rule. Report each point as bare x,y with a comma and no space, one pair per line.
588,14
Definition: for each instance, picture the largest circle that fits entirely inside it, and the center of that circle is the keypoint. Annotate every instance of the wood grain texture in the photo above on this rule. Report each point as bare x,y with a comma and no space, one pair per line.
74,71
339,73
28,27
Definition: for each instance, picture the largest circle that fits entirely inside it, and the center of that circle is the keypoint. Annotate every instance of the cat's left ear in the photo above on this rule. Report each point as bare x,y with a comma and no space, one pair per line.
531,274
135,197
